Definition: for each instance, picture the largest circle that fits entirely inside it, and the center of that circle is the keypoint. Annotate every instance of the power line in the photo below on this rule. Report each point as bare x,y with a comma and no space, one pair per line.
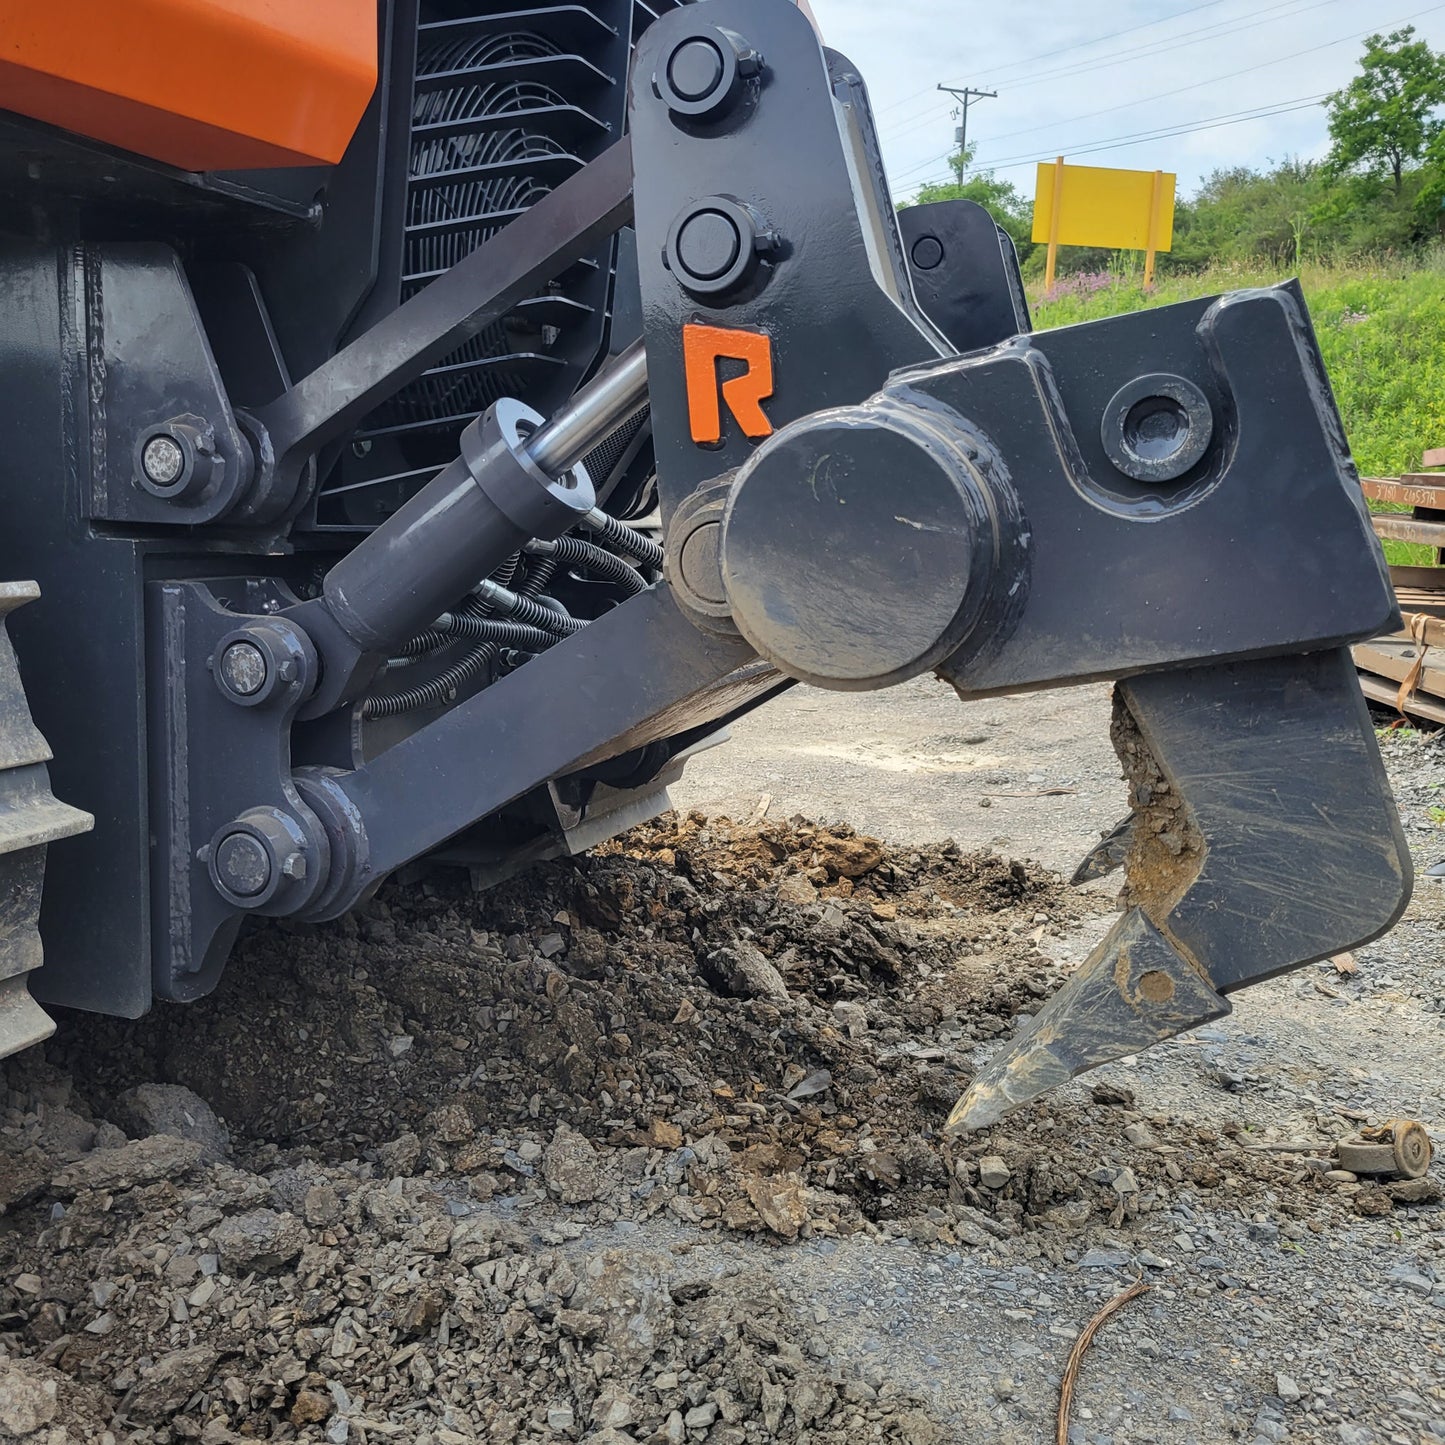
1116,142
1215,79
1177,90
1061,50
1113,35
1109,143
1084,44
1203,35
1141,137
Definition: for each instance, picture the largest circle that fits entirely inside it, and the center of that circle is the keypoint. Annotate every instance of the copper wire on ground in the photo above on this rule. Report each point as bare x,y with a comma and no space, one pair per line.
1071,1369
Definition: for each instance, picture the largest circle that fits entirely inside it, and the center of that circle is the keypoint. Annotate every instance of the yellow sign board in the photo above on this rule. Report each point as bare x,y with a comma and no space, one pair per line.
1099,206
1102,207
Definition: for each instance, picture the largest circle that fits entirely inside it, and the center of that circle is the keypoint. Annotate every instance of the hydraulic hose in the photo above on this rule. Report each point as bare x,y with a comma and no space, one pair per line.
539,573
524,609
573,551
436,691
492,629
431,640
624,538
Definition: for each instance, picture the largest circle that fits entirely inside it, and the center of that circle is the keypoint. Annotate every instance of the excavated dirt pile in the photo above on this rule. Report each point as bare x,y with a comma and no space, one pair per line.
441,1172
793,1001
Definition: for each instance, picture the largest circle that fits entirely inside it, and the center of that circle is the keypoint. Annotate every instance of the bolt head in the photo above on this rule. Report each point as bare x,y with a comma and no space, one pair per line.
695,68
708,245
700,564
701,77
714,245
294,867
243,669
164,460
244,864
1157,428
927,253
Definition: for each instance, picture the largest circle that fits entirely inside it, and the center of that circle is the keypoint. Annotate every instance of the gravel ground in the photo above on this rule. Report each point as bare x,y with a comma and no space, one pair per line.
1351,1310
644,1148
915,763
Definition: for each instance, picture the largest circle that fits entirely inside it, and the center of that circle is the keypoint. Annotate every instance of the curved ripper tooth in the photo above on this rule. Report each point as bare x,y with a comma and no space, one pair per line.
1134,990
1263,836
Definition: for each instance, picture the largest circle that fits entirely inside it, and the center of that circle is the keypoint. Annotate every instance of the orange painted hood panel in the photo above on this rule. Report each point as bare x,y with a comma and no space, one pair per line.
199,84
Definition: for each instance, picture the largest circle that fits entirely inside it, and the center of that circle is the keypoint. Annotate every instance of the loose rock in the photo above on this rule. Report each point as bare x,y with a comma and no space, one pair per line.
993,1173
27,1398
261,1239
171,1109
571,1168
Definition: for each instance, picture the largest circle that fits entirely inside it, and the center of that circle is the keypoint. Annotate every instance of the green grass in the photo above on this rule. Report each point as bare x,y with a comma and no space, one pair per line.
1381,328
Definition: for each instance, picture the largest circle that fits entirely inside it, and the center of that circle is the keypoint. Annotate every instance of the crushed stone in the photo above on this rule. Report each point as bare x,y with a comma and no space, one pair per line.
501,1232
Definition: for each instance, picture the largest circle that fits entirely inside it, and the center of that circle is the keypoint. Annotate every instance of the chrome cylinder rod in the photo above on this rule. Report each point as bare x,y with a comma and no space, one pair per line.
596,411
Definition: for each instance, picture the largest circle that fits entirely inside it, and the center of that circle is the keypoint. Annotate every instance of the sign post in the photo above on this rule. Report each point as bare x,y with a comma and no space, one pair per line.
1055,212
1155,197
1099,206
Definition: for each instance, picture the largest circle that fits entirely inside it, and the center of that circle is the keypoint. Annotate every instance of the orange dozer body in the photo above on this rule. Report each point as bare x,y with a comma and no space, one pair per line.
199,84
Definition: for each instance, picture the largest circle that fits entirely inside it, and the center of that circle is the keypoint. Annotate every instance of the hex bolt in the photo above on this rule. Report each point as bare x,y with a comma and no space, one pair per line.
243,669
293,866
163,460
243,864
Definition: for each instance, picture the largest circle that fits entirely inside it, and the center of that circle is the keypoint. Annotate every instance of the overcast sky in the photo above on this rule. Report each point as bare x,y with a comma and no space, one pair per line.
1073,76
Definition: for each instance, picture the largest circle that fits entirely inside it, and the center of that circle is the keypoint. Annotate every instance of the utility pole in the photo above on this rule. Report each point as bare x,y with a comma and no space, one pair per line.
963,96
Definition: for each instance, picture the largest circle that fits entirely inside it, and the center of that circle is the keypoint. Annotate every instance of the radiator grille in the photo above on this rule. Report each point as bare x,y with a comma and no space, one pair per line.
505,104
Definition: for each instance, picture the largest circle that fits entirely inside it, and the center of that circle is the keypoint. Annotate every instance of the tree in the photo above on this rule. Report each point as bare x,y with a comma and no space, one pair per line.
1239,214
1385,119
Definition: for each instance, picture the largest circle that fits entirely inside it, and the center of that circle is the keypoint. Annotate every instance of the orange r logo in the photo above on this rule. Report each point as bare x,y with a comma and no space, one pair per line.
702,348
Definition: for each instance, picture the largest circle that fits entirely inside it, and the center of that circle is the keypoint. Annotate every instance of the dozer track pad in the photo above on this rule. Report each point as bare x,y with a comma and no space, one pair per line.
30,819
